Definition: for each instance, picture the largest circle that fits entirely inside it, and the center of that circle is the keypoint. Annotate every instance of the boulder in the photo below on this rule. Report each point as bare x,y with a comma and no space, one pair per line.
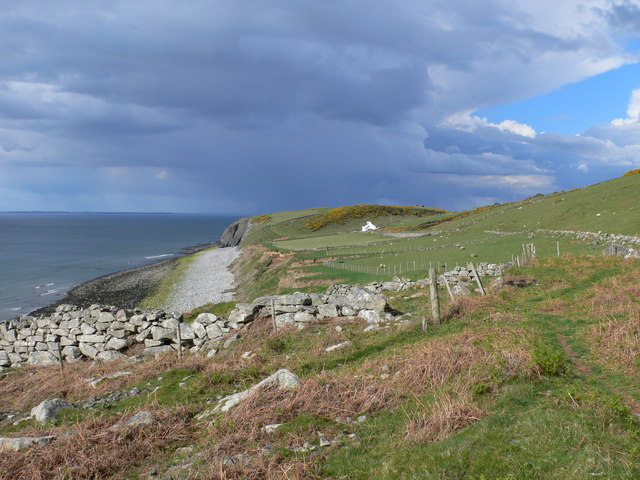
110,355
206,319
356,298
328,310
142,418
244,312
42,358
48,410
20,443
281,379
116,344
370,316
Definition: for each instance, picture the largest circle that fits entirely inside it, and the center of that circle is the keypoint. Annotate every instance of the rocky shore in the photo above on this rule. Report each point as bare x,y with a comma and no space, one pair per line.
127,289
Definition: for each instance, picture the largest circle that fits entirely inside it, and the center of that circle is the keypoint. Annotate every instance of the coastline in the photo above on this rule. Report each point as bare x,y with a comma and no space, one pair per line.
125,288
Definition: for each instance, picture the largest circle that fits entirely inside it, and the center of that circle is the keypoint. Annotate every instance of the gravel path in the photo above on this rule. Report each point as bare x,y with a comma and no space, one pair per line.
207,280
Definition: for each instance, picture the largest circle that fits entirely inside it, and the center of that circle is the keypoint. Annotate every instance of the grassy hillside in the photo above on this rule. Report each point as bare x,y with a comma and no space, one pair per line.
540,379
414,238
539,382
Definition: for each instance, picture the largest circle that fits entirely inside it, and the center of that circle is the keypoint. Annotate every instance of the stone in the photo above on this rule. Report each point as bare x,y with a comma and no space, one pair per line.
187,332
271,428
119,333
324,442
243,312
281,379
42,358
87,329
71,353
336,347
328,310
141,418
370,316
161,333
48,410
88,350
233,338
160,350
199,329
105,317
110,355
4,359
356,297
303,317
116,344
206,319
214,331
94,382
92,338
212,353
20,443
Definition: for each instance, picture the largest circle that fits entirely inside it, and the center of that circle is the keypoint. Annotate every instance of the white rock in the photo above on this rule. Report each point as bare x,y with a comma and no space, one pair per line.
281,379
49,409
336,347
20,443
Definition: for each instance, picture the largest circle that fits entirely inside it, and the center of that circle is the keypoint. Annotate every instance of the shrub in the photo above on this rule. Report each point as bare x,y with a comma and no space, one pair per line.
635,171
550,358
341,215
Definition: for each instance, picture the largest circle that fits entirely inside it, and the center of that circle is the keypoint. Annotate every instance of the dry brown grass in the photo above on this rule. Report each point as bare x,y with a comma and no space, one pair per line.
467,357
26,387
617,342
448,414
240,430
92,450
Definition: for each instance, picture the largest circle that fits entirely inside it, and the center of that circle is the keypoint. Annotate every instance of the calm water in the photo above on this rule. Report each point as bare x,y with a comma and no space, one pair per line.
44,255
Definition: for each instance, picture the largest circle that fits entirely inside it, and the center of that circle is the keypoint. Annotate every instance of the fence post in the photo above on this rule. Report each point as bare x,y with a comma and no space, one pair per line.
179,335
60,355
446,284
478,281
273,316
558,247
435,297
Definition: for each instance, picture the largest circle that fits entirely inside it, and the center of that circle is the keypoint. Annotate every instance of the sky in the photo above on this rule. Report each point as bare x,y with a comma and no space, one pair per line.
254,106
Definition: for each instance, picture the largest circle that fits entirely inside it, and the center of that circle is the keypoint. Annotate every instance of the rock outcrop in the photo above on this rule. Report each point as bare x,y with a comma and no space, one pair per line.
234,233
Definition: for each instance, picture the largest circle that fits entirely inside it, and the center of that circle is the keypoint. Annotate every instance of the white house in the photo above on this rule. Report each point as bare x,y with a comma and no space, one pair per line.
369,226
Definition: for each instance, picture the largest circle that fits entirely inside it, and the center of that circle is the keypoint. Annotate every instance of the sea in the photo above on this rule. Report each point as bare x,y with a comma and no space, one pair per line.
43,255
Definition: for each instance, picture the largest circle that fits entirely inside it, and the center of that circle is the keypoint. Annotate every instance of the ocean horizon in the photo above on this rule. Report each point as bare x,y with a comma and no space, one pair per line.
45,254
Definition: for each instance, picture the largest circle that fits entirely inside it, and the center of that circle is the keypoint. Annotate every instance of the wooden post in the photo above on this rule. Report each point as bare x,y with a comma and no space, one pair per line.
273,316
179,342
60,355
524,254
435,297
446,284
518,260
414,265
478,281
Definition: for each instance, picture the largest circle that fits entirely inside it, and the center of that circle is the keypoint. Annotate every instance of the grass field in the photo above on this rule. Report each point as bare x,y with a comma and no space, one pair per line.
492,234
538,382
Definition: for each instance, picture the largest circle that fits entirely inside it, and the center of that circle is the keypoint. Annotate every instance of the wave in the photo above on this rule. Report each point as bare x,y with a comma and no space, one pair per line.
159,256
50,292
15,309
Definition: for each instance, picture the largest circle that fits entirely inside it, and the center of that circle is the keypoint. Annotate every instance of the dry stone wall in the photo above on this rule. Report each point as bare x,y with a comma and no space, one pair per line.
72,334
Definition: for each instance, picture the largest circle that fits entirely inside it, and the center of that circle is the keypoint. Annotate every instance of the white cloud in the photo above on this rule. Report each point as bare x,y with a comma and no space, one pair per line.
162,175
471,123
633,111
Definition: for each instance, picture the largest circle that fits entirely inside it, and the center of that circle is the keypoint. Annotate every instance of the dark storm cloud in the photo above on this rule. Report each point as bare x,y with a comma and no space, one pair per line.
257,105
